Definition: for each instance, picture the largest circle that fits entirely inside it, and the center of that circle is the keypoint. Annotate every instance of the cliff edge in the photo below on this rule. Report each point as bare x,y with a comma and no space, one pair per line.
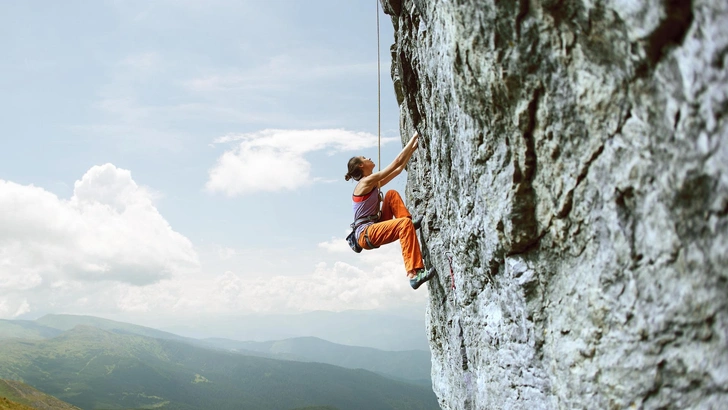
573,166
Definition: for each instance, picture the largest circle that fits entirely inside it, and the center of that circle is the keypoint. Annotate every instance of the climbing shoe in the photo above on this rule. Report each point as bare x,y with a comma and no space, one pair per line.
422,277
417,223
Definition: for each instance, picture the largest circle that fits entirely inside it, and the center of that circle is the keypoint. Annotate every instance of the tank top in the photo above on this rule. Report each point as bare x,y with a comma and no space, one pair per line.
365,205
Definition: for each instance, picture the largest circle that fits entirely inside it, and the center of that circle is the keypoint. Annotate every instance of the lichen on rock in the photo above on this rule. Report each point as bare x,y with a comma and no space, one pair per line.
573,162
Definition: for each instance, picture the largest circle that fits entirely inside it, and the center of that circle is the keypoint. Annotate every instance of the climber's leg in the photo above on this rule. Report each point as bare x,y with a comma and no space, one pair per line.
389,231
393,207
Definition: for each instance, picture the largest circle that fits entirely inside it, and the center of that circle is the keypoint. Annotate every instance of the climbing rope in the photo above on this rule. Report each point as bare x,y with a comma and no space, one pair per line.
379,97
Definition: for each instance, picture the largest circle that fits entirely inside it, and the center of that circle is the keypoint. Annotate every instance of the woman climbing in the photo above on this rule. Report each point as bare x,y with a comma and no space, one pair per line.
375,227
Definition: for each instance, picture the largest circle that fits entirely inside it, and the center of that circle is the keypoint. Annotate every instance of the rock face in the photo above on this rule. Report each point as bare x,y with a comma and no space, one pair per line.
573,165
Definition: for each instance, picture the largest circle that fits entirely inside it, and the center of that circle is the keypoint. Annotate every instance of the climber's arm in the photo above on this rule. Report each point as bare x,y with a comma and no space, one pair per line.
392,175
392,170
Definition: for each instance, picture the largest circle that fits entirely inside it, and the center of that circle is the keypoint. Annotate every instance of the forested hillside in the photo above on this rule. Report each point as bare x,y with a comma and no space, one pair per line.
93,368
15,395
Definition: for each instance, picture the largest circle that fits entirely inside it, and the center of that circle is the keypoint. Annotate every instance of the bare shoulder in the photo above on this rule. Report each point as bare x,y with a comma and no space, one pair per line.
365,186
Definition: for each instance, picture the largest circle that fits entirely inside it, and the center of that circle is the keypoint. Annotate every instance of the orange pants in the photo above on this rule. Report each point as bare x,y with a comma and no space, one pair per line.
388,230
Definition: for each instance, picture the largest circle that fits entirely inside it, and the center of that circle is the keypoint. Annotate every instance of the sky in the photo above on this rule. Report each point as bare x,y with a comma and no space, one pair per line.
186,158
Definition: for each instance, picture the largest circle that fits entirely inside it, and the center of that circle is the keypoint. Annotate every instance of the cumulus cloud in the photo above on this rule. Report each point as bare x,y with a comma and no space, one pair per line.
107,251
108,230
335,245
263,160
13,308
377,281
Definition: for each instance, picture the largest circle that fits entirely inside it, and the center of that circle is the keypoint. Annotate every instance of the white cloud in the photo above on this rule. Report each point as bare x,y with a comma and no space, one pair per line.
22,309
377,281
370,280
107,251
4,308
108,230
336,245
274,160
12,308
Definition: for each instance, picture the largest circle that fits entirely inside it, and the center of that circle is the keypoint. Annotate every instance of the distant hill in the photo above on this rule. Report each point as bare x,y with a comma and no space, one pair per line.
68,322
384,331
53,325
93,368
413,365
378,330
15,395
408,365
25,329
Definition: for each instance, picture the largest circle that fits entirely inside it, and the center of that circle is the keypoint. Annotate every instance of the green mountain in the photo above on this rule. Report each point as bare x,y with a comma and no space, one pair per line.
25,329
68,322
53,325
18,395
411,365
97,369
6,404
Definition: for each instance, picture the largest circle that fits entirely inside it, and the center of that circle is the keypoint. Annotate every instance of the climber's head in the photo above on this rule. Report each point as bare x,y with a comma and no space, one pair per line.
359,167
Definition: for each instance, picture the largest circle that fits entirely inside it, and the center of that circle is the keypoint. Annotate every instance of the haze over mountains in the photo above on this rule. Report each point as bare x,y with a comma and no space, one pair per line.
100,363
400,330
408,365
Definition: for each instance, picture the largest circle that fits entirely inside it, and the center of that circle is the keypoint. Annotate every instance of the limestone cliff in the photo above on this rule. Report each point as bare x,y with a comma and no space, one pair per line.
573,162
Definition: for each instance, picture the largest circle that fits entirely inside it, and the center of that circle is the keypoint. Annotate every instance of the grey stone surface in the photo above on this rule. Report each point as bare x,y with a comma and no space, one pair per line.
573,163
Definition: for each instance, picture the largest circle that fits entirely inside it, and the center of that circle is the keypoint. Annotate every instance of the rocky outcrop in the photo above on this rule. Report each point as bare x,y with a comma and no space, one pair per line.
573,166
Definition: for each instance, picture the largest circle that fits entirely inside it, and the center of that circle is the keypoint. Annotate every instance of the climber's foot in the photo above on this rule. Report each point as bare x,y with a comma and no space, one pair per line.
421,277
417,223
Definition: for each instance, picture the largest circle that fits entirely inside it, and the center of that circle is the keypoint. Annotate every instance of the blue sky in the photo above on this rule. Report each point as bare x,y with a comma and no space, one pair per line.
187,157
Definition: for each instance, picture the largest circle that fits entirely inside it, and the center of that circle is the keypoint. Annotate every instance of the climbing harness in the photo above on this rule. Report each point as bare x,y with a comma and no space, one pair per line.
370,218
366,239
352,240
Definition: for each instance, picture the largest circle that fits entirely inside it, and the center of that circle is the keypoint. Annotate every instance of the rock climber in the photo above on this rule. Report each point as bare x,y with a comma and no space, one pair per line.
374,226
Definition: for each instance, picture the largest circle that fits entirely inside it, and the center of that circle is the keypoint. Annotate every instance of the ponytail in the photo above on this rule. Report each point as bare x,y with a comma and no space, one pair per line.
354,169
